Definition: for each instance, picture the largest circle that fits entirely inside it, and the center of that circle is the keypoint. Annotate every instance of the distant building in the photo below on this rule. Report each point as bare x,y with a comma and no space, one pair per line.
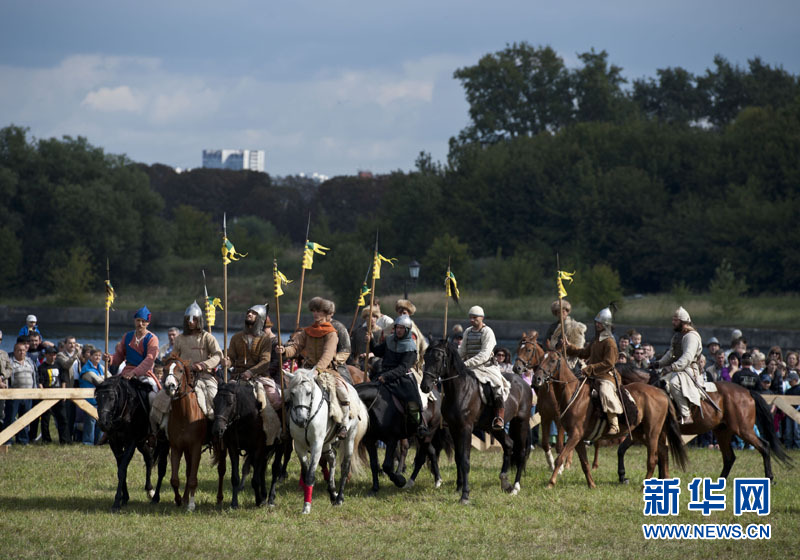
252,160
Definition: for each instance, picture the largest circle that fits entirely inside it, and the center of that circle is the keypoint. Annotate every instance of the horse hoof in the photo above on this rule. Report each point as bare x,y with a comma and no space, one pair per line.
409,484
373,493
550,485
624,480
115,509
151,493
399,480
154,500
504,484
464,501
438,483
515,489
306,508
339,501
191,507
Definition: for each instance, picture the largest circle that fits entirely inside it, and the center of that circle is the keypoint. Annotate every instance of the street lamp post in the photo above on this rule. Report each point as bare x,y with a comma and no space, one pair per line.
413,273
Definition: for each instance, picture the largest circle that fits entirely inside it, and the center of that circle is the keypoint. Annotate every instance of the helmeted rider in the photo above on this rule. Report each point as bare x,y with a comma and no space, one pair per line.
679,366
399,353
139,350
600,356
477,351
317,344
250,351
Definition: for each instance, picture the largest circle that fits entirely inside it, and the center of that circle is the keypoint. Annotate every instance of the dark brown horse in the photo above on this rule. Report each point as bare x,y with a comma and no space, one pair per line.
654,426
186,430
529,356
464,410
740,410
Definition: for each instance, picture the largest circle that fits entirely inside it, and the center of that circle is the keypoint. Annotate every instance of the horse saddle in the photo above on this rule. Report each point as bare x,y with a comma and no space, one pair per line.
487,394
342,370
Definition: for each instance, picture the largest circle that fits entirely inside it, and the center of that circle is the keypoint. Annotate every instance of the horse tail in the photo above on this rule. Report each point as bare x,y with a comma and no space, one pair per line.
359,458
677,447
765,423
217,451
445,440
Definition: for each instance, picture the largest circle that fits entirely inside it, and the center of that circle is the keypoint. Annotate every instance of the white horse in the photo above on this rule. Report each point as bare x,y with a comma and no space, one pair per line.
313,434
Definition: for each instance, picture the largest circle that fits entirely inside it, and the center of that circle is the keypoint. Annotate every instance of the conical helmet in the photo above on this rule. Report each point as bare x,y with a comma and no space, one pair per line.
261,312
193,312
605,317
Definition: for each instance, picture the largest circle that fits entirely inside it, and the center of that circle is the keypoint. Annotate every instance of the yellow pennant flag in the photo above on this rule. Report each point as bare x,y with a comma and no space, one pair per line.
211,313
280,280
364,292
308,253
562,293
111,295
451,286
376,265
229,252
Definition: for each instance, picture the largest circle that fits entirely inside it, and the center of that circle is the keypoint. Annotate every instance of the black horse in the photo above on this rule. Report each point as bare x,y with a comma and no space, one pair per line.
123,410
387,423
429,447
238,429
464,410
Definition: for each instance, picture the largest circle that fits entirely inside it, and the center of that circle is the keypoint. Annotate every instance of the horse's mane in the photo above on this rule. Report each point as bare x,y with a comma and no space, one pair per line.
451,351
246,404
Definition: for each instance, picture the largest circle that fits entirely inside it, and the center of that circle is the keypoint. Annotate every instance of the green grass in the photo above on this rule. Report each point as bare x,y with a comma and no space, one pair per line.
55,503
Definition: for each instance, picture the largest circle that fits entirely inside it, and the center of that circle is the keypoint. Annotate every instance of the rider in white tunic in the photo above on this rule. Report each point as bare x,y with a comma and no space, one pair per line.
679,366
477,352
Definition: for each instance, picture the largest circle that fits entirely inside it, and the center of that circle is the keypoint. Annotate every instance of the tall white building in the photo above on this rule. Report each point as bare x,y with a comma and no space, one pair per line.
252,160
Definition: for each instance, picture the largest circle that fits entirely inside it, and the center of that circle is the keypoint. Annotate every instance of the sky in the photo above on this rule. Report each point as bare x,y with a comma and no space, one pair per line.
330,87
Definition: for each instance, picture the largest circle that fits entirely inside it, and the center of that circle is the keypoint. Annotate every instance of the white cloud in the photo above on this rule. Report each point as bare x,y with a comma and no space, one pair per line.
113,99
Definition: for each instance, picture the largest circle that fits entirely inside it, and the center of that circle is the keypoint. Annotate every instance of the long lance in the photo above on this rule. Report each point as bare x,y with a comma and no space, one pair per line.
371,307
225,299
205,290
108,317
302,278
446,301
560,312
275,281
355,315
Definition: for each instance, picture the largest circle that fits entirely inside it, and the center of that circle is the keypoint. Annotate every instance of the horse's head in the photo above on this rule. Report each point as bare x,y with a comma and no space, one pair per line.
224,408
548,369
109,402
435,360
301,390
177,377
529,353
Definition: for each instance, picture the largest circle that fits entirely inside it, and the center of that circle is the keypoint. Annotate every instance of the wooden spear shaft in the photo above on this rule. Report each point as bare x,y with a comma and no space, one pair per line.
302,277
280,341
560,309
371,307
106,373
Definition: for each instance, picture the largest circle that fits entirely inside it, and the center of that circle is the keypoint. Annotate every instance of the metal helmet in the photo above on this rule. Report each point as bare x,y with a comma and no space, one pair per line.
193,312
605,317
682,315
403,321
261,312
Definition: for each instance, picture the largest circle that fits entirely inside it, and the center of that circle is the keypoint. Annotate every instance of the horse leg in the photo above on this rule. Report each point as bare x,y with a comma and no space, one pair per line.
222,465
520,436
423,450
310,476
147,454
347,456
749,436
388,464
663,456
276,474
596,462
260,475
402,453
572,441
329,473
235,478
123,456
175,480
463,459
544,440
621,450
560,446
372,450
581,448
725,440
192,466
162,456
505,486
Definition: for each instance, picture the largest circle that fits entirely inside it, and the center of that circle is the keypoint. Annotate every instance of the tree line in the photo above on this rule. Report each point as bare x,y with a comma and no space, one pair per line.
660,184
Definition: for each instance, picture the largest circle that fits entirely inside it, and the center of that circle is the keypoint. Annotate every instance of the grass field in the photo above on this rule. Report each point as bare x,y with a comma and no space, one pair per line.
55,504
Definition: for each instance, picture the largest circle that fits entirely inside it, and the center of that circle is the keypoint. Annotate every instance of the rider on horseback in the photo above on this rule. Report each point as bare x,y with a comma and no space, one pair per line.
476,350
139,350
250,354
343,346
399,353
601,355
317,344
679,367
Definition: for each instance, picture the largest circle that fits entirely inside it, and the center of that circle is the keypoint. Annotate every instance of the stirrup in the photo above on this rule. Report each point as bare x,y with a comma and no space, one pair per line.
498,423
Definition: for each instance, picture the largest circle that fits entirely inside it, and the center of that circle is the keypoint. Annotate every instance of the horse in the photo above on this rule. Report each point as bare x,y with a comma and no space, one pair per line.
314,436
123,409
186,429
529,355
739,409
655,424
429,447
387,423
237,428
463,410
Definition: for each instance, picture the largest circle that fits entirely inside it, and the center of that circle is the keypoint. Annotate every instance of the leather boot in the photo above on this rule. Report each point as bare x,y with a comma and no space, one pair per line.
613,424
499,421
341,429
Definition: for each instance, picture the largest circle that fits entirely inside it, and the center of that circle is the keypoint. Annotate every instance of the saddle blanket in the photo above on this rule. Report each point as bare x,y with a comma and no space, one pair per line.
710,387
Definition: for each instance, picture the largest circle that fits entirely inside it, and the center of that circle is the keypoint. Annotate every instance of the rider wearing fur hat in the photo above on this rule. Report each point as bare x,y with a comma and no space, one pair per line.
399,353
317,344
679,366
476,350
600,356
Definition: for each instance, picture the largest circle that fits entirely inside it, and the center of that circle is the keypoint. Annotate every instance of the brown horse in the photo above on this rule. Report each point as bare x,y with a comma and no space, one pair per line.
186,430
463,409
529,356
654,425
739,410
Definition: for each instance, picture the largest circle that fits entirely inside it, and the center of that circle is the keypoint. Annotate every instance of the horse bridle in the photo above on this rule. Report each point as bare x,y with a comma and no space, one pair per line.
549,379
525,364
310,415
439,378
184,379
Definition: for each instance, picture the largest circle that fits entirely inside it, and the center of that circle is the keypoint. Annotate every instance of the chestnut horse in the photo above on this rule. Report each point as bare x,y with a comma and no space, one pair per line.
654,426
463,410
529,356
186,430
739,410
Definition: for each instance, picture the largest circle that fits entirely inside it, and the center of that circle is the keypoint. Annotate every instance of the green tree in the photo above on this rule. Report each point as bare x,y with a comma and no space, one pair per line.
597,89
517,276
73,280
343,269
195,234
596,287
726,291
12,258
446,248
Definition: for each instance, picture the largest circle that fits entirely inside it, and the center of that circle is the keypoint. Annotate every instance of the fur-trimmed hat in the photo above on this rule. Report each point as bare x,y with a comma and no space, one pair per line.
376,313
405,304
576,332
321,304
560,304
